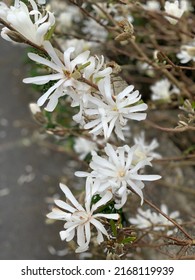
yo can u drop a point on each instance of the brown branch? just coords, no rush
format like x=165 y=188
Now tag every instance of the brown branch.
x=168 y=218
x=23 y=39
x=169 y=129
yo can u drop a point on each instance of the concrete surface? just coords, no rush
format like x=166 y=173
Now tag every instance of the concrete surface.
x=29 y=173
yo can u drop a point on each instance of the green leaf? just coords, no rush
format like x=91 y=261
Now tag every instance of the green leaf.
x=113 y=227
x=128 y=240
x=49 y=34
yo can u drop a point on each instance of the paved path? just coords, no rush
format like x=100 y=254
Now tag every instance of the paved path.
x=29 y=173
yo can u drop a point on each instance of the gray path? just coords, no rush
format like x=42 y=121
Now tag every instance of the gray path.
x=29 y=173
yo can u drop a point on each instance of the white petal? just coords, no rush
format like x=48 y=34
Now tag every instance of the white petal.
x=82 y=249
x=80 y=59
x=99 y=226
x=50 y=50
x=107 y=216
x=44 y=97
x=71 y=197
x=136 y=189
x=87 y=232
x=80 y=235
x=103 y=201
x=41 y=60
x=81 y=174
x=41 y=80
x=145 y=177
x=67 y=55
x=126 y=91
x=64 y=206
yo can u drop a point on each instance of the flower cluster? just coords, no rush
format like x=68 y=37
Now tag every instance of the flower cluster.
x=88 y=83
x=76 y=76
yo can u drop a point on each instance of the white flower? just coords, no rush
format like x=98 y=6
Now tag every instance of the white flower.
x=63 y=74
x=145 y=150
x=148 y=219
x=30 y=24
x=116 y=172
x=152 y=5
x=79 y=218
x=161 y=90
x=83 y=147
x=187 y=53
x=113 y=111
x=175 y=9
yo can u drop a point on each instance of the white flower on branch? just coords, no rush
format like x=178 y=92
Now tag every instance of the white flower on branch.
x=108 y=112
x=148 y=219
x=32 y=25
x=117 y=172
x=145 y=150
x=187 y=53
x=162 y=90
x=176 y=9
x=64 y=74
x=78 y=218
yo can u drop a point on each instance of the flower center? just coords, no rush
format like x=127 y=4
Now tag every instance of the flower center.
x=121 y=173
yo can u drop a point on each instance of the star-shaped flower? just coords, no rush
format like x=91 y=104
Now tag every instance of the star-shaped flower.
x=78 y=218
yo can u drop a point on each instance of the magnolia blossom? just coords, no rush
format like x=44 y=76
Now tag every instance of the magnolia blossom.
x=30 y=24
x=109 y=111
x=176 y=9
x=147 y=219
x=78 y=218
x=116 y=172
x=63 y=74
x=187 y=53
x=162 y=90
x=145 y=150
